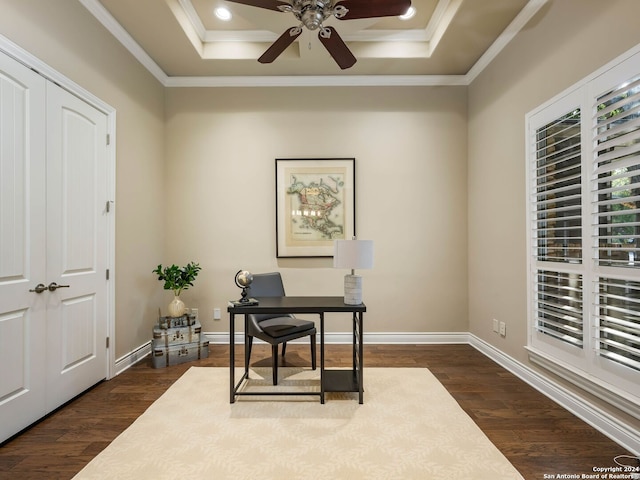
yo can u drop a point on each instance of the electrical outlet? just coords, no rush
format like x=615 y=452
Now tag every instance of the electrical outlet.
x=194 y=311
x=503 y=329
x=216 y=314
x=496 y=326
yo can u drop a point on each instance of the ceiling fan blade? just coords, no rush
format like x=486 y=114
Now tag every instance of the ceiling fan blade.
x=336 y=47
x=280 y=45
x=374 y=8
x=268 y=4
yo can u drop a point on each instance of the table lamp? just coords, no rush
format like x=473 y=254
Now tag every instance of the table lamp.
x=353 y=254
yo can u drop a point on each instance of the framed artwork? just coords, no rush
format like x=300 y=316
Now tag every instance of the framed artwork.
x=315 y=205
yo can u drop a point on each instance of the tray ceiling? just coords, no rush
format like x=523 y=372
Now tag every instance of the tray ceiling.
x=182 y=42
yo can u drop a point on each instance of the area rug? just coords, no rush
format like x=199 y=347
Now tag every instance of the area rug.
x=409 y=427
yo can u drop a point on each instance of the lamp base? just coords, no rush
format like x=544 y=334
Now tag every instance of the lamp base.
x=352 y=289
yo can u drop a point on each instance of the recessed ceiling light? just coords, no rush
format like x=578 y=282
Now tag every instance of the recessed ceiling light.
x=410 y=13
x=223 y=14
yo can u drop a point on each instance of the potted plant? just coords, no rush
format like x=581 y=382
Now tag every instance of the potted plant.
x=177 y=279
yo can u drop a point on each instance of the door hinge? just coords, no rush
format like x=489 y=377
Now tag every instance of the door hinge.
x=108 y=139
x=107 y=342
x=107 y=275
x=108 y=206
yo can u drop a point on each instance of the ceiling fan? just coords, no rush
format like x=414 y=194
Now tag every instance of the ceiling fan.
x=311 y=14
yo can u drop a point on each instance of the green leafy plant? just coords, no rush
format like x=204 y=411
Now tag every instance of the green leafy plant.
x=176 y=278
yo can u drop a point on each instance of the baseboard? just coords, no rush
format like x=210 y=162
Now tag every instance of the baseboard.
x=623 y=434
x=126 y=361
x=407 y=338
x=131 y=358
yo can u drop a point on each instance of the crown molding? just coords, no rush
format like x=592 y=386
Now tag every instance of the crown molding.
x=111 y=24
x=518 y=23
x=194 y=18
x=320 y=81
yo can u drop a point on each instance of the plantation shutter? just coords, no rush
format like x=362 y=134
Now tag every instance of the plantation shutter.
x=558 y=229
x=617 y=164
x=619 y=321
x=559 y=306
x=617 y=207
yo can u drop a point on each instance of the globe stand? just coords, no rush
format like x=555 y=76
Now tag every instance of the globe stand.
x=244 y=298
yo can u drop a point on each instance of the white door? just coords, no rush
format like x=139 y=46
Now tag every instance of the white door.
x=53 y=231
x=77 y=234
x=22 y=247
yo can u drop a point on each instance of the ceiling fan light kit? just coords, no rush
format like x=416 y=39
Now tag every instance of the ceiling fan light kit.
x=312 y=13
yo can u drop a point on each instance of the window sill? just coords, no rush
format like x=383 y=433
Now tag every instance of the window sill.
x=614 y=396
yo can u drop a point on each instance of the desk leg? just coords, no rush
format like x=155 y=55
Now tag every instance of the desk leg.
x=360 y=360
x=246 y=346
x=354 y=342
x=322 y=357
x=232 y=395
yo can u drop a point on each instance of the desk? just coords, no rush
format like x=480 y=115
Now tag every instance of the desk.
x=330 y=380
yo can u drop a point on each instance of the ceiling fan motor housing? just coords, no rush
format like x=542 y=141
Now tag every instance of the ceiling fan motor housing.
x=312 y=12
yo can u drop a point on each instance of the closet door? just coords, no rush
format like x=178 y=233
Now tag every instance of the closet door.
x=22 y=247
x=54 y=237
x=77 y=255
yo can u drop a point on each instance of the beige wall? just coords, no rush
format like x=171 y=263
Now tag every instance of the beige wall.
x=66 y=36
x=212 y=201
x=565 y=42
x=410 y=150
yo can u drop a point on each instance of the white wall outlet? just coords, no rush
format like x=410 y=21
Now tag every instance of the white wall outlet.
x=216 y=314
x=503 y=329
x=496 y=326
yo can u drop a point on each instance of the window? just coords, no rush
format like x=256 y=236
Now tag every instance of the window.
x=617 y=171
x=618 y=317
x=617 y=185
x=559 y=190
x=583 y=157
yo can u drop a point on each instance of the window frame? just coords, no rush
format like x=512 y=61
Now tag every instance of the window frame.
x=583 y=366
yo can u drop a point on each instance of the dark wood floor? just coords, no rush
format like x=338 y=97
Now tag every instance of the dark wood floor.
x=535 y=434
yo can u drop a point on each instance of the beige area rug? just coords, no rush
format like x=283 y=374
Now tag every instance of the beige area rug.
x=409 y=427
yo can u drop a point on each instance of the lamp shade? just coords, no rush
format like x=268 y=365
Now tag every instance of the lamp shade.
x=353 y=254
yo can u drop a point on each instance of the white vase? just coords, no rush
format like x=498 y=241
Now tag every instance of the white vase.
x=177 y=307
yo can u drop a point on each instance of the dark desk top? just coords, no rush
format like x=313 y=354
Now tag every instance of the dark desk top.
x=298 y=305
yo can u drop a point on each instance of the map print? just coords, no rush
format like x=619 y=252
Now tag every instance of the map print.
x=316 y=204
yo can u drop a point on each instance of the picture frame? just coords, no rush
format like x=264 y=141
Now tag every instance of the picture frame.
x=315 y=205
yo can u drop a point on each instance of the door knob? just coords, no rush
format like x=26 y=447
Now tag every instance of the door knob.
x=39 y=288
x=53 y=286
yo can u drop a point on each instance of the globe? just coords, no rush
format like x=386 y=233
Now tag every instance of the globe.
x=243 y=279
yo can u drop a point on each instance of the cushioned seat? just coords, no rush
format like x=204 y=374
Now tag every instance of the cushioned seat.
x=278 y=329
x=284 y=326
